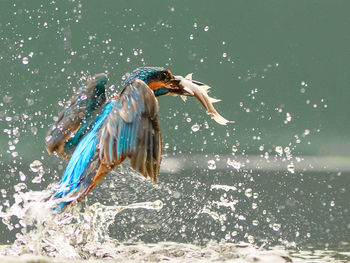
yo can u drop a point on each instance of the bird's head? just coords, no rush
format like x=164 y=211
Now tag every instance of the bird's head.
x=157 y=78
x=163 y=82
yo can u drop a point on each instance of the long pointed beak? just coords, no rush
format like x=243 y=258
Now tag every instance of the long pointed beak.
x=188 y=87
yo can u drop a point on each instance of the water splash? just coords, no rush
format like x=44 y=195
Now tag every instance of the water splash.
x=74 y=233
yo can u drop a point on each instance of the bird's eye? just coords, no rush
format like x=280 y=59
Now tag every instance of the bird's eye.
x=165 y=75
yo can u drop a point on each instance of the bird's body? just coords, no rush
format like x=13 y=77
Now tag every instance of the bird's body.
x=127 y=126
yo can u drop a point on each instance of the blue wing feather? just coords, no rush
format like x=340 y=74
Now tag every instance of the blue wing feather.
x=133 y=130
x=81 y=158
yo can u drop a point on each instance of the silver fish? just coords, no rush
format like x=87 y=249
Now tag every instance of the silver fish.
x=200 y=91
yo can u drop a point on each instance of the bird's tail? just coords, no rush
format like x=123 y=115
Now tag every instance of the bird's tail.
x=81 y=169
x=79 y=172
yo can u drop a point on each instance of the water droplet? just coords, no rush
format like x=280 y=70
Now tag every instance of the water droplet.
x=36 y=166
x=166 y=145
x=332 y=203
x=288 y=118
x=306 y=132
x=234 y=233
x=136 y=53
x=25 y=61
x=37 y=179
x=83 y=97
x=291 y=168
x=250 y=239
x=241 y=217
x=279 y=150
x=22 y=176
x=234 y=164
x=255 y=222
x=254 y=205
x=195 y=127
x=195 y=25
x=248 y=192
x=158 y=205
x=191 y=37
x=211 y=165
x=34 y=130
x=177 y=195
x=276 y=227
x=188 y=119
x=234 y=148
x=224 y=55
x=48 y=138
x=206 y=28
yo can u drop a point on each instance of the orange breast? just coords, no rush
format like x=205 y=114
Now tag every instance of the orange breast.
x=154 y=85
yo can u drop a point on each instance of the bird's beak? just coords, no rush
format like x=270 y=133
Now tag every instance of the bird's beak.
x=186 y=86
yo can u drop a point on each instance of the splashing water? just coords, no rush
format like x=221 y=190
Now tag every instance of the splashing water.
x=72 y=234
x=85 y=232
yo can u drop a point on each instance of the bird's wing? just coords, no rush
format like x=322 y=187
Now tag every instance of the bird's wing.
x=132 y=130
x=77 y=117
x=83 y=167
x=127 y=127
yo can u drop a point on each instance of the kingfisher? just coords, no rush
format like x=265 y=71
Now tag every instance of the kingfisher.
x=97 y=134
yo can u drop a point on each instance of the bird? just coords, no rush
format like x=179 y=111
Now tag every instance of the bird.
x=96 y=135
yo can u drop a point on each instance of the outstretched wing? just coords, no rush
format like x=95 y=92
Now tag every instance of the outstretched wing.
x=132 y=130
x=77 y=117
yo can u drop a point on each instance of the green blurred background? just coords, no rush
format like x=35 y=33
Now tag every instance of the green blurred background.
x=270 y=48
x=280 y=68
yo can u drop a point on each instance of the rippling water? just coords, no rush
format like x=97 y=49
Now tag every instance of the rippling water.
x=139 y=221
